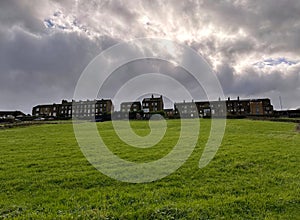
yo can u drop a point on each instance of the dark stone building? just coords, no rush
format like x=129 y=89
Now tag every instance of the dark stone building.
x=153 y=104
x=129 y=110
x=238 y=107
x=231 y=108
x=101 y=110
x=203 y=109
x=261 y=107
x=78 y=109
x=65 y=110
x=46 y=110
x=131 y=106
x=170 y=113
x=186 y=109
x=98 y=109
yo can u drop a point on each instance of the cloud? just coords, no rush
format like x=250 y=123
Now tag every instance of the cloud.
x=42 y=68
x=45 y=45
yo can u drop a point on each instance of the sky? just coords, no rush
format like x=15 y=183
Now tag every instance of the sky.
x=252 y=46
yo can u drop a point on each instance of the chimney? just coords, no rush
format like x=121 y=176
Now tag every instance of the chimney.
x=238 y=98
x=152 y=96
x=228 y=98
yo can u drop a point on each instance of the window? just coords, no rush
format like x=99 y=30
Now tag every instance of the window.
x=206 y=110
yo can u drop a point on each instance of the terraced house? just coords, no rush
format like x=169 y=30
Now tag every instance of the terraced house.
x=92 y=108
x=229 y=108
x=131 y=106
x=78 y=109
x=103 y=109
x=152 y=105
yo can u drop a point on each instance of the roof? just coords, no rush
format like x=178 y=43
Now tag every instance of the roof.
x=152 y=99
x=135 y=102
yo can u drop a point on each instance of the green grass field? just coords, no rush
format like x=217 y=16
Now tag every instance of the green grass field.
x=255 y=175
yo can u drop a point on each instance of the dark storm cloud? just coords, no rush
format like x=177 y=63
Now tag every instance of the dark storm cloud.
x=43 y=68
x=40 y=65
x=39 y=68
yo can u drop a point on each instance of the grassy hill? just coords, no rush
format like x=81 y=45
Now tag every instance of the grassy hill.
x=255 y=175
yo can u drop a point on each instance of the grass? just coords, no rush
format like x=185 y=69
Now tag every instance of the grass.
x=254 y=175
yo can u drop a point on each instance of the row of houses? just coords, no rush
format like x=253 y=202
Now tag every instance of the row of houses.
x=77 y=109
x=99 y=109
x=104 y=110
x=230 y=108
